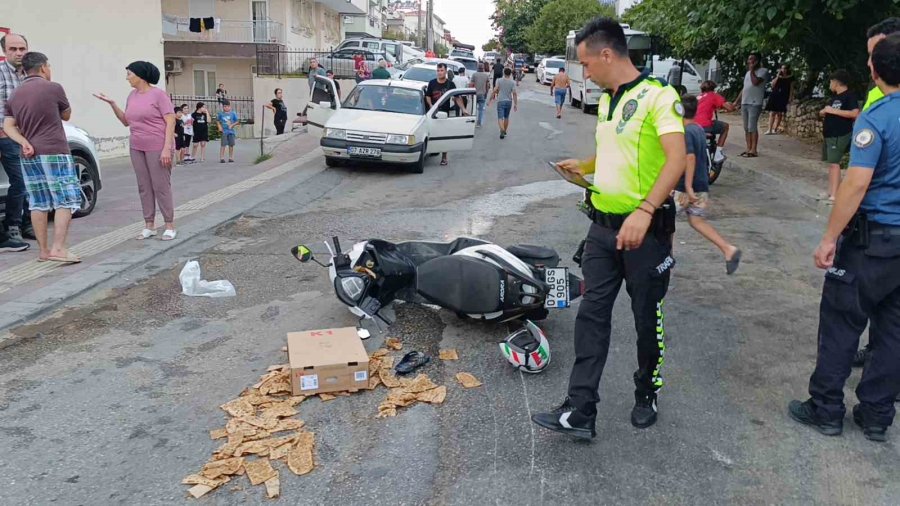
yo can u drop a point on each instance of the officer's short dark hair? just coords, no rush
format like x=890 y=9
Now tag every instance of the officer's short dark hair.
x=33 y=61
x=601 y=33
x=507 y=72
x=442 y=65
x=886 y=59
x=886 y=27
x=841 y=76
x=690 y=106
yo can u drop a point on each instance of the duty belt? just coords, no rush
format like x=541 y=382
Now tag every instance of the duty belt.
x=613 y=221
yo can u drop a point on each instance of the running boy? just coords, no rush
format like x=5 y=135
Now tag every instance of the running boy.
x=227 y=119
x=691 y=195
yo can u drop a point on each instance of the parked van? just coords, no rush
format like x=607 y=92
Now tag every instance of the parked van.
x=400 y=52
x=691 y=78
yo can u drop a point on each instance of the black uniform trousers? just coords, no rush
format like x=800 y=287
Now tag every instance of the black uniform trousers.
x=646 y=272
x=280 y=121
x=864 y=282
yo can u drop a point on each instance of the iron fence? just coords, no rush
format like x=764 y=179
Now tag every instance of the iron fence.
x=280 y=62
x=243 y=106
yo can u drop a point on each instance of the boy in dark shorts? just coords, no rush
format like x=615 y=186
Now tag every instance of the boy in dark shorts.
x=179 y=138
x=838 y=128
x=201 y=130
x=692 y=192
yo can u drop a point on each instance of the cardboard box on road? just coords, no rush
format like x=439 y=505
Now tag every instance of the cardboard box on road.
x=330 y=360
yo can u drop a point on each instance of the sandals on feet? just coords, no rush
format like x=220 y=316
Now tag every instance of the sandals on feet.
x=444 y=162
x=168 y=235
x=732 y=265
x=68 y=259
x=146 y=234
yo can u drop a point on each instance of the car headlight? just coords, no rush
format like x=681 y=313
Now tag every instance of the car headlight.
x=406 y=140
x=336 y=133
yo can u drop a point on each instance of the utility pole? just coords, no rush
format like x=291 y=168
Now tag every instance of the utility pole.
x=419 y=38
x=429 y=23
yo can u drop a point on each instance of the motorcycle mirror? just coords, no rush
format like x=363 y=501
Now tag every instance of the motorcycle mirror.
x=303 y=254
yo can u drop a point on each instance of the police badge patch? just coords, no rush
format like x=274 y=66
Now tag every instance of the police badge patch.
x=629 y=109
x=679 y=109
x=864 y=138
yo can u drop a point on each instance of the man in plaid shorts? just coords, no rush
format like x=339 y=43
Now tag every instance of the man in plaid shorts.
x=34 y=117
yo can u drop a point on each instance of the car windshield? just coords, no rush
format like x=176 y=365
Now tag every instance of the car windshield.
x=555 y=64
x=386 y=99
x=420 y=74
x=471 y=65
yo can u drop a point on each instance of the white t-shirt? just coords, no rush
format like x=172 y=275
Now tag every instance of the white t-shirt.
x=461 y=82
x=188 y=121
x=753 y=95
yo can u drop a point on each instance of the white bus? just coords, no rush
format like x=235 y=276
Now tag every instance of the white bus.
x=585 y=93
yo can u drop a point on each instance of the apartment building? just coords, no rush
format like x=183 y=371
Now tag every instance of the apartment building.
x=374 y=24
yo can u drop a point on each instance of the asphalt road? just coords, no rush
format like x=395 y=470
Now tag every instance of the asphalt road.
x=111 y=402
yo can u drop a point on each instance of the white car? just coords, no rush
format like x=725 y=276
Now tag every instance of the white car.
x=451 y=64
x=547 y=70
x=388 y=121
x=424 y=73
x=471 y=64
x=86 y=161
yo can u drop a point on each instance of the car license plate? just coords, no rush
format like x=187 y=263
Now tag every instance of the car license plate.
x=366 y=152
x=558 y=279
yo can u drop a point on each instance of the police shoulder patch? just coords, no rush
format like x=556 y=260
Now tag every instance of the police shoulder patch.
x=629 y=109
x=864 y=138
x=679 y=109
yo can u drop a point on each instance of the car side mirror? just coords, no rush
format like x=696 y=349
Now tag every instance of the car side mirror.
x=442 y=115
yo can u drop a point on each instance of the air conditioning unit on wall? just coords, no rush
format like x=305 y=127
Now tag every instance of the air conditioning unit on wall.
x=173 y=65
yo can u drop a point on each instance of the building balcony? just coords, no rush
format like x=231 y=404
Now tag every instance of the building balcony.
x=178 y=29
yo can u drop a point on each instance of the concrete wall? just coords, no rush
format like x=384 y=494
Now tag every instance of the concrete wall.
x=310 y=25
x=89 y=43
x=233 y=73
x=296 y=96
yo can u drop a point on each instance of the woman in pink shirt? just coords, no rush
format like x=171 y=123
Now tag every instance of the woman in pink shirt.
x=149 y=116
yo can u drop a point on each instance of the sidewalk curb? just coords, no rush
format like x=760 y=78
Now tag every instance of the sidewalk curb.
x=37 y=304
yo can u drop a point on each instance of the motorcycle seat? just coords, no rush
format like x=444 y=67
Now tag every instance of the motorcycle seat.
x=462 y=284
x=534 y=255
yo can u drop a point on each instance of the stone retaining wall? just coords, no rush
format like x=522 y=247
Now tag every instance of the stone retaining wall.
x=802 y=119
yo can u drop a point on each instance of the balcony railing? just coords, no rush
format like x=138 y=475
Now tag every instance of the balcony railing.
x=259 y=32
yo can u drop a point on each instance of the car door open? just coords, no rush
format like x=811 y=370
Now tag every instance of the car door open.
x=447 y=131
x=322 y=105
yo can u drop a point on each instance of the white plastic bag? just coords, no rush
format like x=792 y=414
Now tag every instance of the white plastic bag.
x=192 y=285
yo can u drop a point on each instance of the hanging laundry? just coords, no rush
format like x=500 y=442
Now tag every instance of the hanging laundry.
x=209 y=23
x=194 y=25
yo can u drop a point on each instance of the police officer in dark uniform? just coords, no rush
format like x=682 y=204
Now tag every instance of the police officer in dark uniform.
x=640 y=157
x=861 y=252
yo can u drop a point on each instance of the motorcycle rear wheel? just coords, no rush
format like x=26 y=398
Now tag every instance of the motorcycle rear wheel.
x=714 y=170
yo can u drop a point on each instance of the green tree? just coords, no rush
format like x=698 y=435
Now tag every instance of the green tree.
x=814 y=35
x=492 y=45
x=512 y=18
x=548 y=33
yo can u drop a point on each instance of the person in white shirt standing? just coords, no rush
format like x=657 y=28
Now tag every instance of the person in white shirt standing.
x=750 y=101
x=461 y=82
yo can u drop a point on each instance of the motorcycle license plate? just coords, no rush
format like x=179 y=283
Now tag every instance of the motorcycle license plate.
x=558 y=279
x=364 y=152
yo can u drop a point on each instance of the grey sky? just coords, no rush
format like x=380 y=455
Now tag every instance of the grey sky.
x=468 y=20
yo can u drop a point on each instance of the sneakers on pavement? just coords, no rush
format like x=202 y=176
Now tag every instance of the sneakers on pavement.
x=15 y=234
x=877 y=433
x=566 y=419
x=11 y=245
x=805 y=413
x=644 y=413
x=28 y=233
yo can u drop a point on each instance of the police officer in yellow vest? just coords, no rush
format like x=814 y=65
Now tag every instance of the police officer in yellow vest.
x=640 y=157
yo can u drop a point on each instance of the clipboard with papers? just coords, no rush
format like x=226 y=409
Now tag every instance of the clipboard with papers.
x=576 y=179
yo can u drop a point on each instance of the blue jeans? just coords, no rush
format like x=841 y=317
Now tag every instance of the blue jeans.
x=16 y=204
x=503 y=109
x=479 y=104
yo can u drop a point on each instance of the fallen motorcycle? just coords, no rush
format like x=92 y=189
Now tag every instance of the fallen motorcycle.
x=476 y=279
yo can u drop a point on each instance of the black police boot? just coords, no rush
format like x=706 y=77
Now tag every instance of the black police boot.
x=872 y=432
x=644 y=413
x=568 y=420
x=805 y=413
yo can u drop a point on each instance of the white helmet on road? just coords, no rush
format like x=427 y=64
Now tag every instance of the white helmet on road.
x=527 y=349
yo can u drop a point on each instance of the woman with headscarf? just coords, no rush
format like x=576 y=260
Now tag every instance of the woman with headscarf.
x=149 y=116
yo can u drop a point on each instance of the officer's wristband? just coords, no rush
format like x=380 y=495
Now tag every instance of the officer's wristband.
x=646 y=211
x=651 y=204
